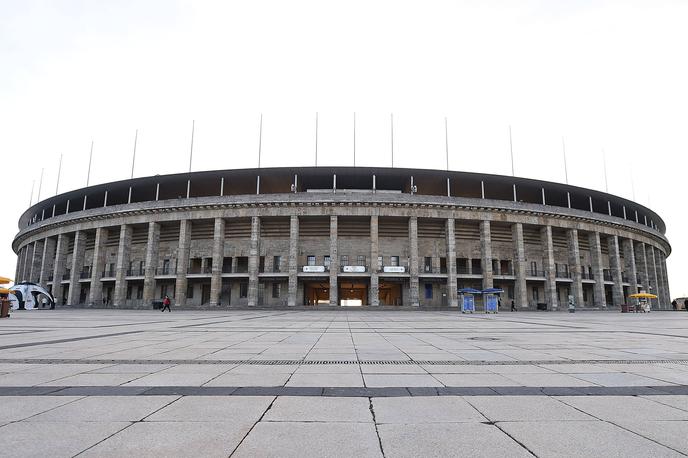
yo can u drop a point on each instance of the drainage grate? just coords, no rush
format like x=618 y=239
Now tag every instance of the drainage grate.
x=296 y=362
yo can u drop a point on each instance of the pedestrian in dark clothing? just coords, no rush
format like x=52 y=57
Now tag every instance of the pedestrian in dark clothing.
x=674 y=305
x=166 y=304
x=513 y=305
x=685 y=305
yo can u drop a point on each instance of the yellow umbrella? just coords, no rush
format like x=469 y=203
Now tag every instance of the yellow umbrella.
x=643 y=296
x=4 y=290
x=4 y=280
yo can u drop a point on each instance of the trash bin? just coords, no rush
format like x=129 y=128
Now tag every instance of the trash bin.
x=157 y=304
x=4 y=308
x=542 y=306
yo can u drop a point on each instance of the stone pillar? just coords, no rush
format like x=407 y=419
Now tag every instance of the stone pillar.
x=652 y=274
x=27 y=260
x=59 y=266
x=334 y=262
x=596 y=256
x=122 y=265
x=551 y=295
x=152 y=247
x=575 y=267
x=629 y=261
x=486 y=253
x=452 y=296
x=18 y=269
x=520 y=289
x=666 y=279
x=615 y=267
x=413 y=261
x=182 y=262
x=218 y=256
x=35 y=269
x=641 y=266
x=48 y=253
x=98 y=265
x=374 y=291
x=293 y=260
x=253 y=258
x=661 y=288
x=77 y=266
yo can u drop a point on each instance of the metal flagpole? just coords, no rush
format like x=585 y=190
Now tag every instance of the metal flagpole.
x=604 y=162
x=33 y=183
x=90 y=158
x=354 y=139
x=40 y=185
x=59 y=172
x=133 y=158
x=316 y=138
x=391 y=123
x=511 y=150
x=566 y=172
x=193 y=128
x=446 y=141
x=260 y=138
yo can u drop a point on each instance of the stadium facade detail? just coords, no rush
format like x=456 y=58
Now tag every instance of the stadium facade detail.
x=334 y=236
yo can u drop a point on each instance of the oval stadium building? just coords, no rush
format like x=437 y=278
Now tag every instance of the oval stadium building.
x=341 y=236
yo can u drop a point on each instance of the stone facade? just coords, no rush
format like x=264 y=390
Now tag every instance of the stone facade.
x=341 y=247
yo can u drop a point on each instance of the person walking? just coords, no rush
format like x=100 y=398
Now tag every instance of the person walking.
x=513 y=305
x=674 y=305
x=166 y=304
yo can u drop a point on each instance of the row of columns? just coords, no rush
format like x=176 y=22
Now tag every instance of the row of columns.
x=643 y=263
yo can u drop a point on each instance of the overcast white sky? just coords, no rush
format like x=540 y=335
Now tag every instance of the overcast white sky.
x=606 y=75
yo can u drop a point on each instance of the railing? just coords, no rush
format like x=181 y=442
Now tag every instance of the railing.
x=624 y=278
x=462 y=270
x=536 y=273
x=562 y=274
x=227 y=269
x=607 y=276
x=108 y=273
x=85 y=274
x=506 y=272
x=136 y=272
x=50 y=277
x=587 y=276
x=165 y=271
x=66 y=275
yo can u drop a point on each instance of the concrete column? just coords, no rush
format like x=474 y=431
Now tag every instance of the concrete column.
x=652 y=274
x=452 y=296
x=122 y=264
x=661 y=288
x=413 y=261
x=48 y=253
x=374 y=291
x=253 y=258
x=218 y=256
x=615 y=267
x=551 y=295
x=77 y=265
x=35 y=268
x=98 y=265
x=334 y=262
x=152 y=247
x=182 y=262
x=629 y=261
x=666 y=279
x=520 y=290
x=575 y=266
x=293 y=260
x=18 y=269
x=596 y=256
x=486 y=253
x=59 y=266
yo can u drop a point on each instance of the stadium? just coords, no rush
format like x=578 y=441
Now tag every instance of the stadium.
x=326 y=237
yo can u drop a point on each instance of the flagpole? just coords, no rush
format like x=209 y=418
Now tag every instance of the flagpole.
x=133 y=158
x=33 y=183
x=260 y=138
x=40 y=185
x=90 y=158
x=354 y=139
x=446 y=141
x=511 y=151
x=59 y=172
x=193 y=128
x=566 y=172
x=391 y=124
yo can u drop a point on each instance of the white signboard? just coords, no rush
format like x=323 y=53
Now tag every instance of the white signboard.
x=394 y=269
x=314 y=268
x=353 y=269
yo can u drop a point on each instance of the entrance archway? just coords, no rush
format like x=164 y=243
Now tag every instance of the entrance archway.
x=316 y=293
x=390 y=293
x=353 y=293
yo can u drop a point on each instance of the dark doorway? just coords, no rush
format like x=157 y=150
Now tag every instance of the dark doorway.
x=390 y=293
x=316 y=293
x=353 y=293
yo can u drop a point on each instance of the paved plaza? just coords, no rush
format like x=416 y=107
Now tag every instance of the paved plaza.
x=343 y=383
